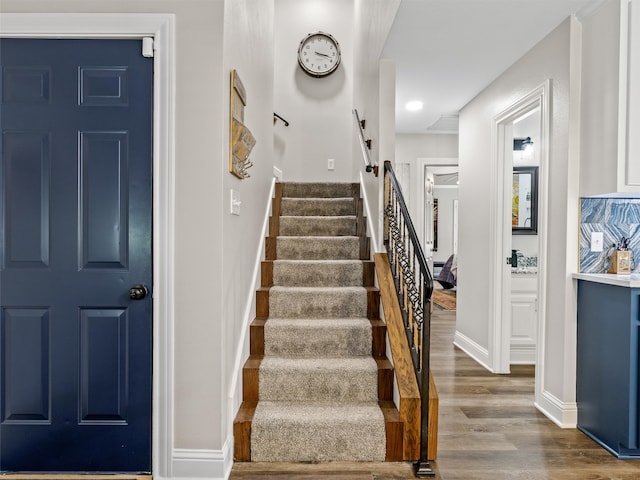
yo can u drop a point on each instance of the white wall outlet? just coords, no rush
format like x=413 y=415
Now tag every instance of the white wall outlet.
x=597 y=241
x=330 y=164
x=235 y=202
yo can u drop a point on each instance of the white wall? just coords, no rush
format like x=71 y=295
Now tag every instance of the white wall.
x=318 y=109
x=248 y=48
x=411 y=147
x=374 y=98
x=553 y=58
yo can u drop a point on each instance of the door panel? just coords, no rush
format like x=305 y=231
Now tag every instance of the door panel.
x=75 y=206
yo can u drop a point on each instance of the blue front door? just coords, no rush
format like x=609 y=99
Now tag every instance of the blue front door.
x=75 y=231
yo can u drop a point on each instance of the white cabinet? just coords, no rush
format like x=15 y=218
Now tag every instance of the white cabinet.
x=524 y=318
x=628 y=168
x=610 y=99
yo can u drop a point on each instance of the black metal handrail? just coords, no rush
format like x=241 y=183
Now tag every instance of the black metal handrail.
x=414 y=286
x=365 y=145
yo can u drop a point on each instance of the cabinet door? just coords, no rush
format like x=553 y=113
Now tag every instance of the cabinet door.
x=524 y=328
x=629 y=120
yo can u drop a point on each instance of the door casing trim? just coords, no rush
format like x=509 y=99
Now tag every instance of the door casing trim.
x=500 y=330
x=161 y=27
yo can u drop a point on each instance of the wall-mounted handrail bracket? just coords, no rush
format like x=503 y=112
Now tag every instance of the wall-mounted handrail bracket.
x=365 y=145
x=277 y=117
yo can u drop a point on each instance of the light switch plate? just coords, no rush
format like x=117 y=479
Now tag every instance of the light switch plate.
x=597 y=241
x=330 y=164
x=235 y=202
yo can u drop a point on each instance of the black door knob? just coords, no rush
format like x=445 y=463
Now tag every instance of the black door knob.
x=138 y=292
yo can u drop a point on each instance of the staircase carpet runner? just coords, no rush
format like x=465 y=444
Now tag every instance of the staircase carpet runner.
x=318 y=380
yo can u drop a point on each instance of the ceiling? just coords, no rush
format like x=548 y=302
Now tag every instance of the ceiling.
x=448 y=51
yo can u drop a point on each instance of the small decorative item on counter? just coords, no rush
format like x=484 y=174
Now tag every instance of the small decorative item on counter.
x=620 y=261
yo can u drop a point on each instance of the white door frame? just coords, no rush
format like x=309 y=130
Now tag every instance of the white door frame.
x=160 y=27
x=418 y=203
x=499 y=305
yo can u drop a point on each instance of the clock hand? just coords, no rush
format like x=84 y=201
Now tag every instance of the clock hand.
x=322 y=54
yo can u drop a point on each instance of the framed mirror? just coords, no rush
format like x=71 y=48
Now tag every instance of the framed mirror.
x=524 y=201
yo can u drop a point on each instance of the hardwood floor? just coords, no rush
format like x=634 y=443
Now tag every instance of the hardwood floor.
x=489 y=429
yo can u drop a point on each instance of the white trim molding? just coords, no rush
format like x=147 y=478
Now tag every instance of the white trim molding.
x=563 y=414
x=202 y=464
x=473 y=349
x=499 y=311
x=161 y=27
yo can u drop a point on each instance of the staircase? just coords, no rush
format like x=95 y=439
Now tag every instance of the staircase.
x=317 y=385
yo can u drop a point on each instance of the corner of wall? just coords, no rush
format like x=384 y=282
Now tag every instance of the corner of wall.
x=200 y=463
x=563 y=414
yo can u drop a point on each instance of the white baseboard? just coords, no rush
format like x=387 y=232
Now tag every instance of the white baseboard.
x=522 y=355
x=563 y=414
x=192 y=464
x=473 y=349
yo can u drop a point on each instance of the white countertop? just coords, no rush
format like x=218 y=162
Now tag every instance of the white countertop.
x=630 y=280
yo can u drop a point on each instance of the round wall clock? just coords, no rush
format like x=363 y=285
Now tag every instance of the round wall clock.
x=319 y=54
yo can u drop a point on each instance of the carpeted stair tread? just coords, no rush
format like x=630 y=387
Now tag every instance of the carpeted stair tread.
x=293 y=432
x=350 y=379
x=318 y=190
x=318 y=225
x=317 y=273
x=317 y=337
x=314 y=375
x=318 y=248
x=317 y=206
x=319 y=302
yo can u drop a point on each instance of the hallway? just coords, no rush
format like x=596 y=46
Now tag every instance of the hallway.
x=489 y=430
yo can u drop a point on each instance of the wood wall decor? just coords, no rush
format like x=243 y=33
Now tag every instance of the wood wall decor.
x=241 y=140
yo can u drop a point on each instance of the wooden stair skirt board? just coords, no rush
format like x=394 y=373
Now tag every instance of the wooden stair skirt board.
x=298 y=200
x=408 y=389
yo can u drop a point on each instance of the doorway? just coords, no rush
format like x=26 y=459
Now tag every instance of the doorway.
x=505 y=126
x=161 y=28
x=436 y=207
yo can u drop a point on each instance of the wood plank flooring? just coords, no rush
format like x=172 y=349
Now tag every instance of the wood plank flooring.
x=489 y=430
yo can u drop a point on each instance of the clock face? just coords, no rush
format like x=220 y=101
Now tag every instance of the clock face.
x=319 y=54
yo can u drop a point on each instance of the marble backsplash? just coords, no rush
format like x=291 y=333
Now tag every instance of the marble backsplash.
x=524 y=264
x=616 y=218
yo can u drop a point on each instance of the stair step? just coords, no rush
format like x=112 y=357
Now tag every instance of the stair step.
x=317 y=206
x=318 y=302
x=319 y=190
x=318 y=225
x=318 y=273
x=318 y=248
x=332 y=337
x=293 y=432
x=317 y=386
x=353 y=379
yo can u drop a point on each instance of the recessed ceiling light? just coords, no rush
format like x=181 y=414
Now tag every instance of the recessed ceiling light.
x=414 y=105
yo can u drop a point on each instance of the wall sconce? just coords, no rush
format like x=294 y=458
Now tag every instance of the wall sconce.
x=523 y=144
